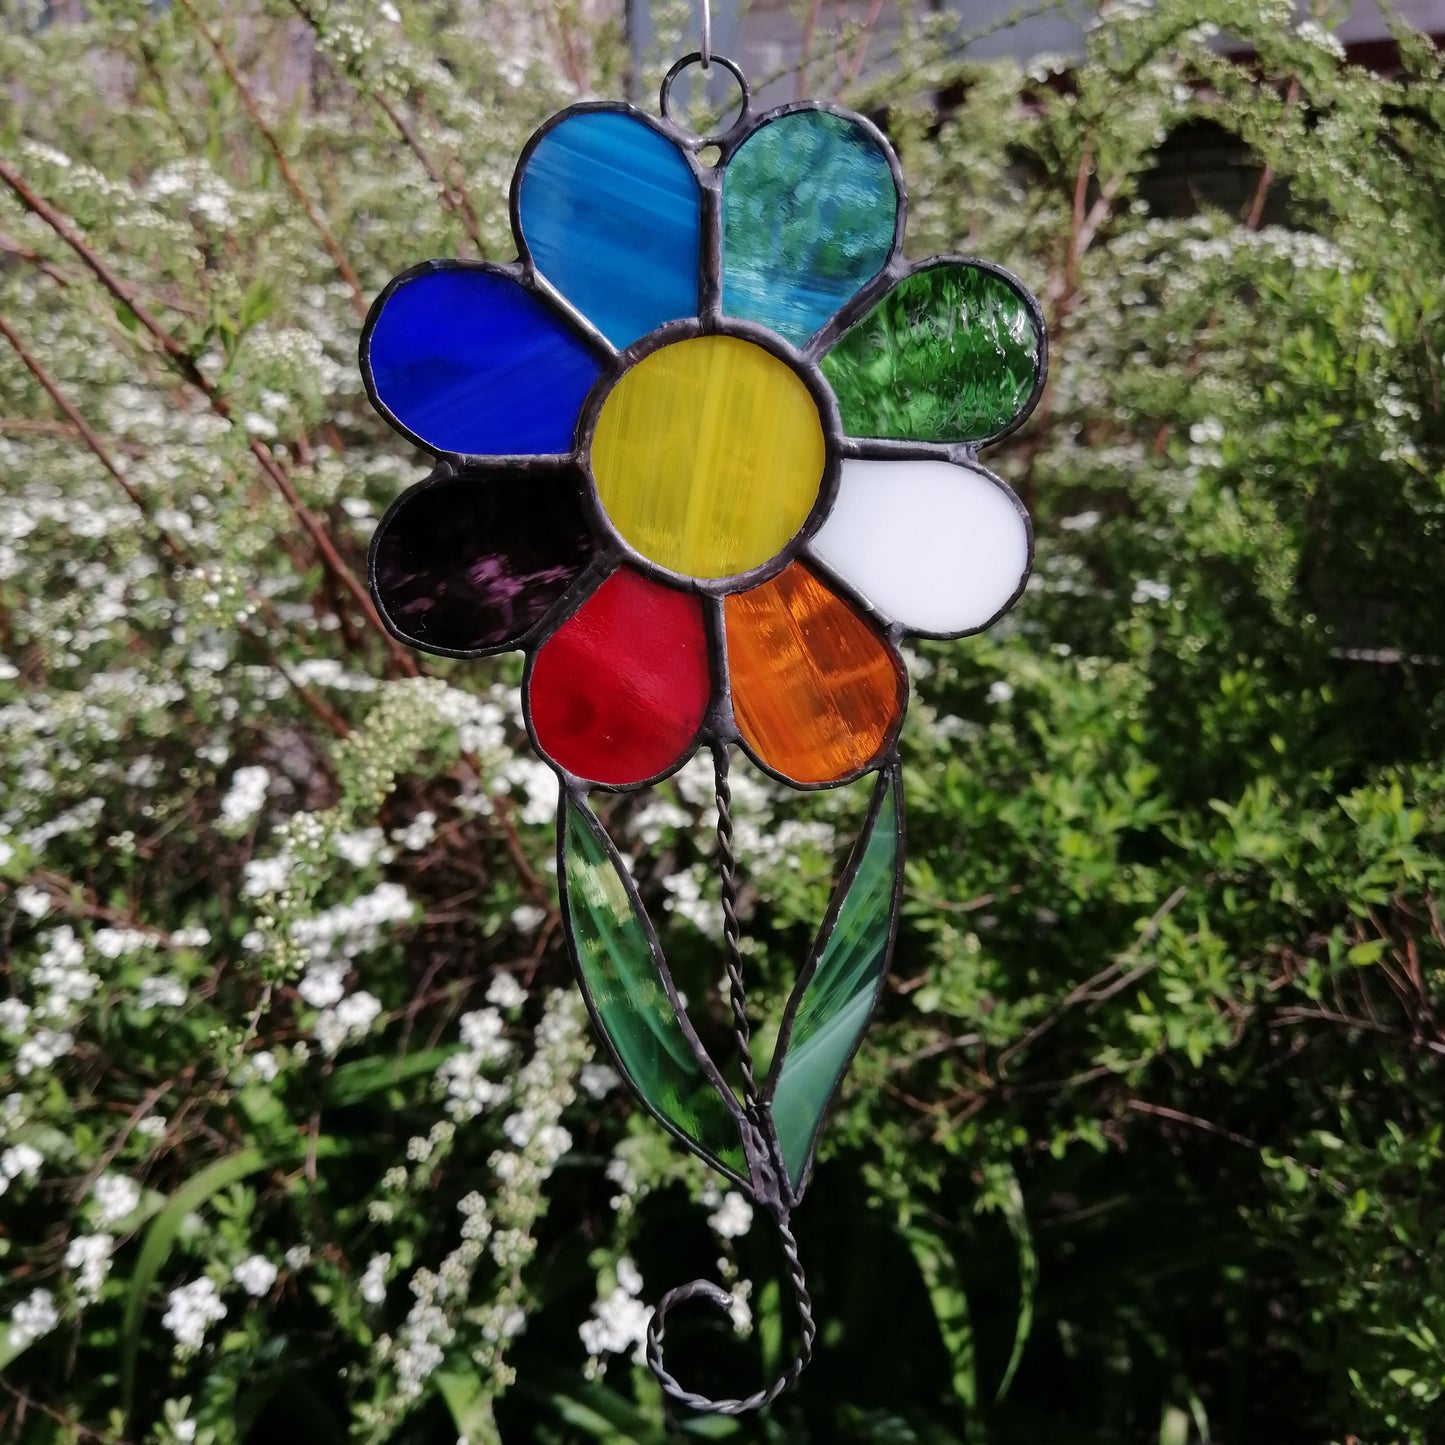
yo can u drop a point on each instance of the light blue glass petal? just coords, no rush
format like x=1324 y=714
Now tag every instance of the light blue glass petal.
x=810 y=208
x=468 y=360
x=840 y=995
x=611 y=213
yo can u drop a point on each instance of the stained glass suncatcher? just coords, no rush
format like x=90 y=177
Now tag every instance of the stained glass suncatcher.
x=706 y=453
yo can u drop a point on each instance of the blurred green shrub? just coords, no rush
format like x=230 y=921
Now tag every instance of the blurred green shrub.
x=300 y=1131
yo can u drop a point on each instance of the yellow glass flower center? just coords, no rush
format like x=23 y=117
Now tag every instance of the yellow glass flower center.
x=708 y=455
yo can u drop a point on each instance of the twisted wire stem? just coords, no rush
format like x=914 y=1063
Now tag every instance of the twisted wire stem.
x=732 y=929
x=702 y=1289
x=717 y=1296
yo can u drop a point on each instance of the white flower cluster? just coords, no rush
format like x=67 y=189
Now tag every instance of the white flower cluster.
x=733 y=1217
x=116 y=1198
x=373 y=1279
x=89 y=1256
x=32 y=1318
x=247 y=792
x=20 y=1161
x=619 y=1319
x=190 y=1311
x=61 y=972
x=351 y=1019
x=355 y=927
x=255 y=1275
x=469 y=1091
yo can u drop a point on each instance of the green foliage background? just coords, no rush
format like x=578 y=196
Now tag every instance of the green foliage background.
x=1145 y=1141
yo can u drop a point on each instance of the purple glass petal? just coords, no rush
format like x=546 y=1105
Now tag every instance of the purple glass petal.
x=469 y=563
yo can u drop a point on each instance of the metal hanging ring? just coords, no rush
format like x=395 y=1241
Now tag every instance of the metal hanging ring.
x=696 y=58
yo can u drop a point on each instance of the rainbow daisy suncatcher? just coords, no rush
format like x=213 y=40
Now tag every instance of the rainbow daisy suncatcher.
x=707 y=451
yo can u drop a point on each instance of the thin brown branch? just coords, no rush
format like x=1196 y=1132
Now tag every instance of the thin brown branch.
x=186 y=363
x=91 y=439
x=454 y=198
x=248 y=100
x=1101 y=984
x=855 y=67
x=177 y=553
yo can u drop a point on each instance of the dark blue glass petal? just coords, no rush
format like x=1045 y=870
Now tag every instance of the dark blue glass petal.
x=810 y=209
x=467 y=360
x=611 y=213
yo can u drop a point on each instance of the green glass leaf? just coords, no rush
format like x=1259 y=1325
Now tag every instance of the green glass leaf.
x=809 y=209
x=621 y=971
x=951 y=354
x=839 y=997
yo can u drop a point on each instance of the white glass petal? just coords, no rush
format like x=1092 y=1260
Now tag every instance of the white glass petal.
x=936 y=547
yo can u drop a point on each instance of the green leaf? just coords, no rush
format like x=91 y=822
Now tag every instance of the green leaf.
x=832 y=1003
x=950 y=1310
x=628 y=989
x=469 y=1404
x=157 y=1245
x=360 y=1079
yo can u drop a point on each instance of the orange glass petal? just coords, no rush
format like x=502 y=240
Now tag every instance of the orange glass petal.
x=817 y=694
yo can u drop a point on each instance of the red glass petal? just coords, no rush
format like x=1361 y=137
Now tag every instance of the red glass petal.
x=618 y=692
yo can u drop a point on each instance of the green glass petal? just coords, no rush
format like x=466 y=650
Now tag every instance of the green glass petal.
x=809 y=208
x=840 y=995
x=620 y=971
x=950 y=354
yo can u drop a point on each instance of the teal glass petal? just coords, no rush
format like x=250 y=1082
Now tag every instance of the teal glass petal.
x=810 y=209
x=621 y=974
x=839 y=997
x=612 y=215
x=952 y=353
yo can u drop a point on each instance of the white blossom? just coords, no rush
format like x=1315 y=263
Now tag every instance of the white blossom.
x=351 y=1018
x=32 y=1318
x=120 y=942
x=418 y=833
x=21 y=1161
x=14 y=1015
x=619 y=1319
x=191 y=1310
x=89 y=1255
x=32 y=901
x=41 y=1050
x=247 y=792
x=161 y=990
x=255 y=1275
x=263 y=1064
x=506 y=993
x=373 y=1279
x=528 y=918
x=598 y=1080
x=116 y=1197
x=324 y=983
x=733 y=1218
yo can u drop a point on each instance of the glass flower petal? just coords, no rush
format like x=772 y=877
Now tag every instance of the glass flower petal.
x=939 y=548
x=810 y=209
x=469 y=563
x=954 y=352
x=817 y=693
x=465 y=359
x=626 y=985
x=829 y=1010
x=612 y=215
x=617 y=694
